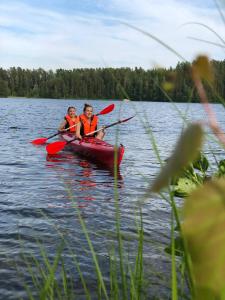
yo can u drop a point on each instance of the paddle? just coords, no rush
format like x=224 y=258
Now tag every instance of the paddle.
x=42 y=140
x=57 y=146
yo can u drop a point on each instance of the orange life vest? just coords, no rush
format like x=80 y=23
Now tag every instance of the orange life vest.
x=71 y=122
x=87 y=127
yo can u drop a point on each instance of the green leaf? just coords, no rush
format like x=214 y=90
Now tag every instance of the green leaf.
x=186 y=151
x=179 y=248
x=221 y=167
x=201 y=163
x=203 y=229
x=184 y=187
x=185 y=173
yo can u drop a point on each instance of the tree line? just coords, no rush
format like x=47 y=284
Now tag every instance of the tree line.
x=110 y=83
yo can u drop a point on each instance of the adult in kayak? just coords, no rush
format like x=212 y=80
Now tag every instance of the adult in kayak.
x=70 y=121
x=88 y=123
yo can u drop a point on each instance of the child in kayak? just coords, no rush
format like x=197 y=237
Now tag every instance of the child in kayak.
x=70 y=121
x=88 y=123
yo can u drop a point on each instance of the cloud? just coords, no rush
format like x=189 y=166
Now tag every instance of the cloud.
x=95 y=36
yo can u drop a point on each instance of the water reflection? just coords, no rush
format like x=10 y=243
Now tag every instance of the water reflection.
x=83 y=179
x=86 y=173
x=59 y=157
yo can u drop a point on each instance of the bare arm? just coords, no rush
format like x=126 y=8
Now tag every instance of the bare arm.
x=78 y=135
x=62 y=125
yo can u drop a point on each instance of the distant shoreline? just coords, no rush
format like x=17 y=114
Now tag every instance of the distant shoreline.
x=159 y=84
x=106 y=100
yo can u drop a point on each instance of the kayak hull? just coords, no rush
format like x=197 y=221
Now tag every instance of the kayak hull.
x=96 y=150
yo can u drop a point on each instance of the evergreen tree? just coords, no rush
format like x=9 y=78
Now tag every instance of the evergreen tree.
x=110 y=83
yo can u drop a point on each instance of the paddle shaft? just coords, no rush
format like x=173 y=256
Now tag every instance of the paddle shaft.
x=104 y=111
x=62 y=131
x=58 y=146
x=67 y=129
x=102 y=128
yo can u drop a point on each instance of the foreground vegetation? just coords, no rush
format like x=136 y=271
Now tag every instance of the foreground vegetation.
x=197 y=239
x=106 y=83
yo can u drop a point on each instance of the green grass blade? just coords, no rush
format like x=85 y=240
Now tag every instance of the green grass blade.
x=207 y=27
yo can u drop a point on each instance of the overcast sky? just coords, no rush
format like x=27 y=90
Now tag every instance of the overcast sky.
x=69 y=34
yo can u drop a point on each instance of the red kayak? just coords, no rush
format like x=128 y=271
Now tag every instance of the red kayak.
x=95 y=150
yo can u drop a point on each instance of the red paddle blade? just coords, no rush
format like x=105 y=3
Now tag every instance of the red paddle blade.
x=39 y=141
x=55 y=147
x=107 y=110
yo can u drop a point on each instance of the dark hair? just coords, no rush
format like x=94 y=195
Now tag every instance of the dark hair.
x=86 y=105
x=69 y=108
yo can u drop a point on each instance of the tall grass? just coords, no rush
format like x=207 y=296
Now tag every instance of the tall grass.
x=51 y=279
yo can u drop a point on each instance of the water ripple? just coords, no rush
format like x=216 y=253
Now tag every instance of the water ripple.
x=41 y=195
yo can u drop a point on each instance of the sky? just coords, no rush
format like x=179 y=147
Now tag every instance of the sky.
x=68 y=34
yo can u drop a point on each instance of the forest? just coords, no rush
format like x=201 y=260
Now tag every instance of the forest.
x=159 y=84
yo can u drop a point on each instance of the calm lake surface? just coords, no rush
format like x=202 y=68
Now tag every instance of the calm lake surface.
x=38 y=192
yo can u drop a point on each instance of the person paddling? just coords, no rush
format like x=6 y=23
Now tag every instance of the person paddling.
x=88 y=123
x=70 y=121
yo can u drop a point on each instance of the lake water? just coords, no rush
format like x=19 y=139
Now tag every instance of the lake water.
x=38 y=192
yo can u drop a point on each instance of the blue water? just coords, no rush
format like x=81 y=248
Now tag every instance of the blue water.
x=39 y=192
